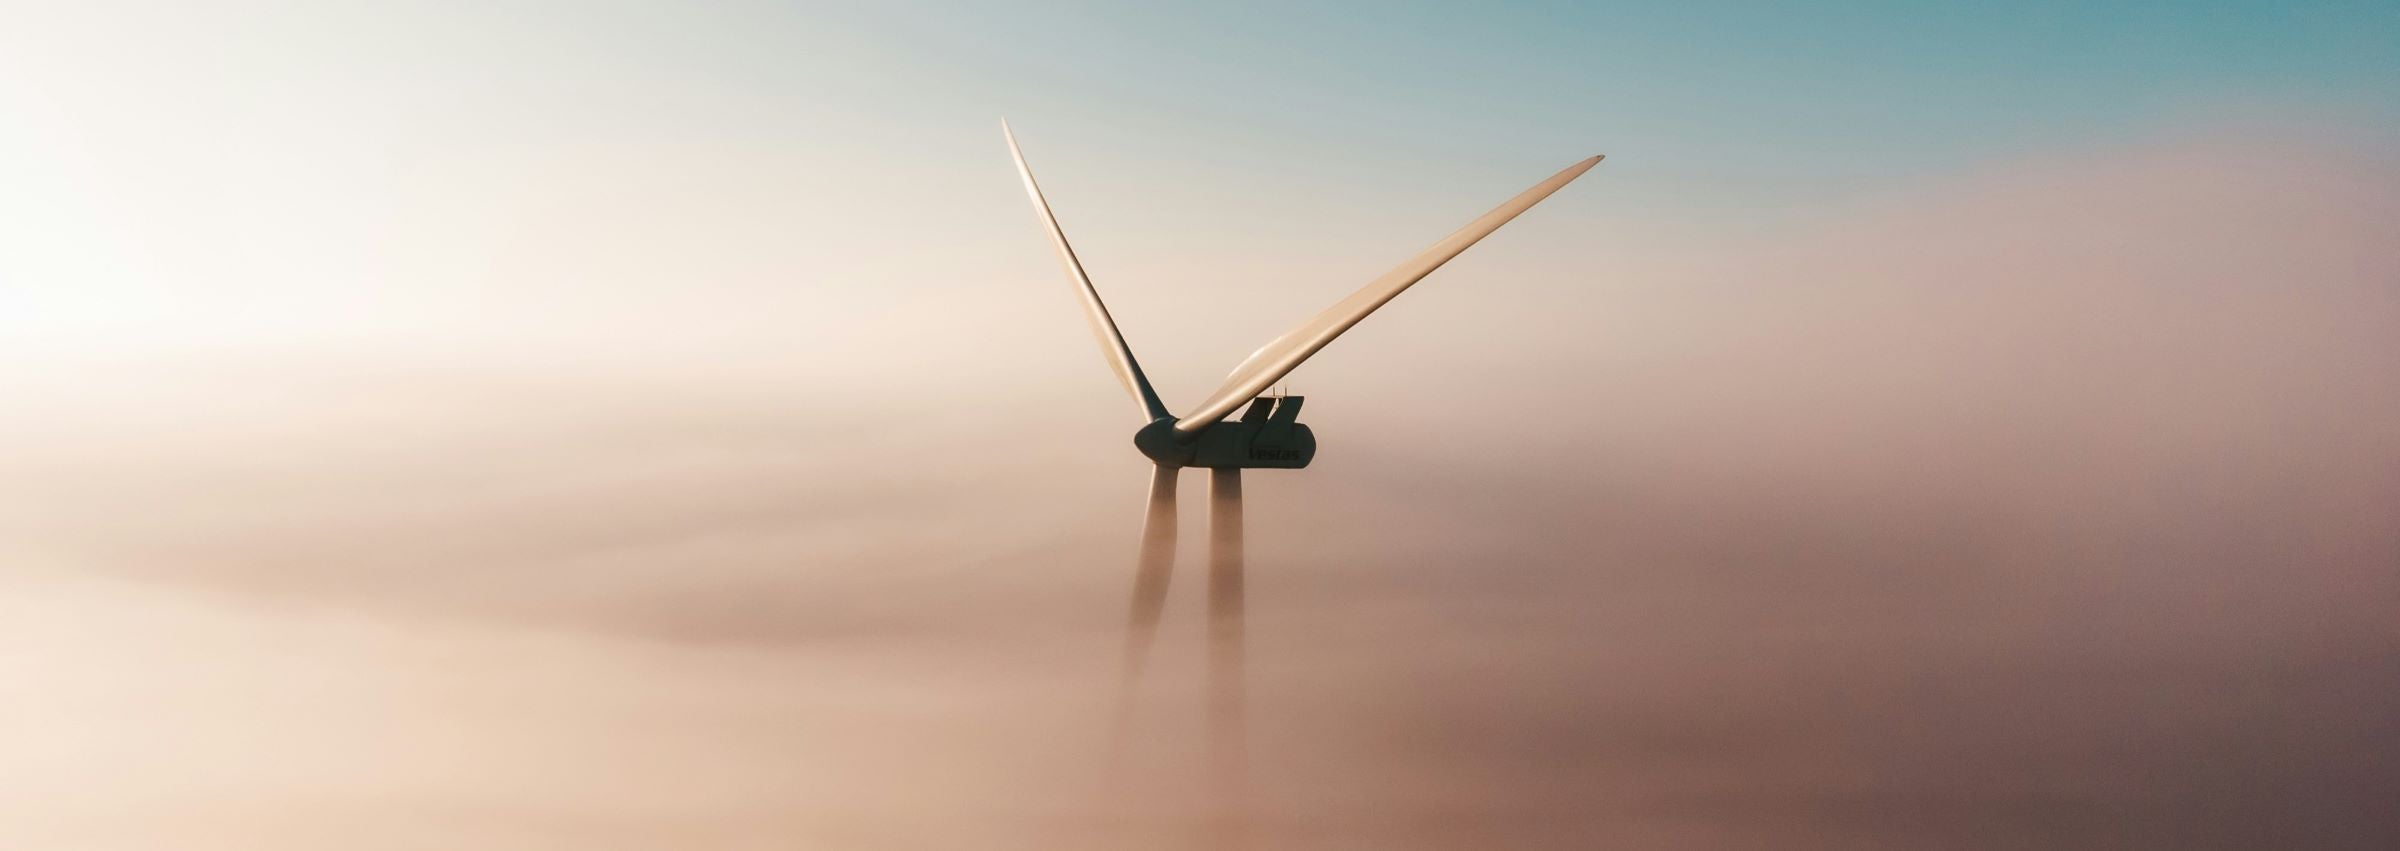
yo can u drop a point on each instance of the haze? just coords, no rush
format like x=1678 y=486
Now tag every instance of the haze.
x=537 y=426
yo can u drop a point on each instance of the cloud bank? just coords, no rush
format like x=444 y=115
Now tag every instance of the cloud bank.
x=2047 y=507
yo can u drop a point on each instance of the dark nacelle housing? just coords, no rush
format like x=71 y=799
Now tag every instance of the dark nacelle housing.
x=1268 y=435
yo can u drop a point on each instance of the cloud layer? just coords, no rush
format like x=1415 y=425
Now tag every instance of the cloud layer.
x=2049 y=507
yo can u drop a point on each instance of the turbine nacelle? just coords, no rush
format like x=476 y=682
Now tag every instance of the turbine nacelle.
x=1269 y=435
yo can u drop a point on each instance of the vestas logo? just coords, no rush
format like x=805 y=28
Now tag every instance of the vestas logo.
x=1257 y=454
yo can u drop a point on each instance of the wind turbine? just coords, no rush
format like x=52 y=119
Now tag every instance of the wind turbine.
x=1268 y=435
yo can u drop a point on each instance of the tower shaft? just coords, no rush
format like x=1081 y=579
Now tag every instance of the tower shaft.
x=1226 y=752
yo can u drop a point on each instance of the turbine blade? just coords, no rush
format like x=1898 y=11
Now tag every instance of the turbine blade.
x=1151 y=571
x=1279 y=357
x=1104 y=327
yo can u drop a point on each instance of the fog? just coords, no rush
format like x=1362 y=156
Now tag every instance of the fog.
x=2049 y=505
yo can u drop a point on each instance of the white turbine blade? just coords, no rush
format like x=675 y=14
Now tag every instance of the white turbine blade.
x=1152 y=567
x=1279 y=357
x=1112 y=343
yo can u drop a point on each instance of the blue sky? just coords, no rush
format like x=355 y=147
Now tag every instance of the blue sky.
x=1754 y=102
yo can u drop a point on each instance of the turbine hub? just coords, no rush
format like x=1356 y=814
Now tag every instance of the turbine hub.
x=1159 y=443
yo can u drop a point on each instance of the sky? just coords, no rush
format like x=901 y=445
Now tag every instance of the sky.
x=524 y=425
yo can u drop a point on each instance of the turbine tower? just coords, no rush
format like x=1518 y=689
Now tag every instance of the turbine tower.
x=1268 y=435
